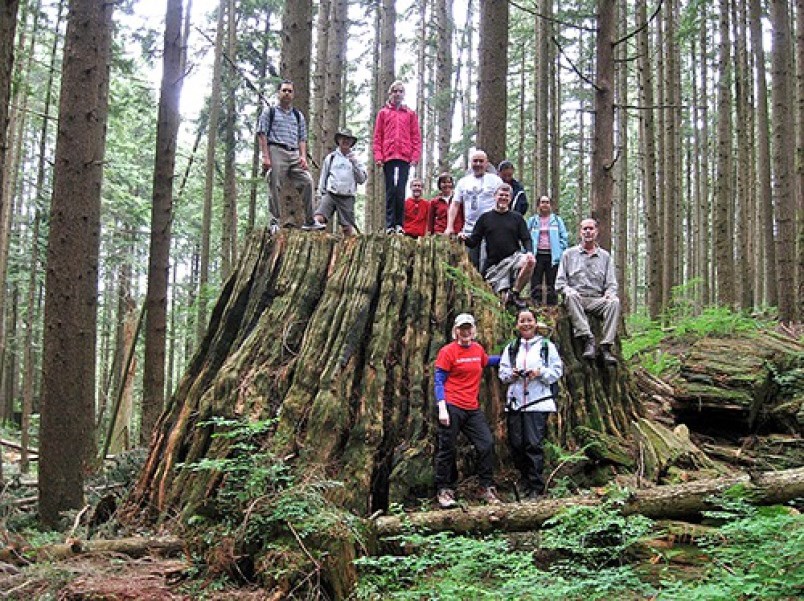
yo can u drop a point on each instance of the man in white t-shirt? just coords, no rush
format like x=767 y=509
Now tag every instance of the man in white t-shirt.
x=475 y=192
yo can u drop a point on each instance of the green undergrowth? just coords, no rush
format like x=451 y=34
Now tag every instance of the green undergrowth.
x=590 y=553
x=649 y=340
x=267 y=523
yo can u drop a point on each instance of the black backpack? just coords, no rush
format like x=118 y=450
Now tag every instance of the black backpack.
x=513 y=350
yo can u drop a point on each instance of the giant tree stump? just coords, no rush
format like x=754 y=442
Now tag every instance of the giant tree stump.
x=337 y=340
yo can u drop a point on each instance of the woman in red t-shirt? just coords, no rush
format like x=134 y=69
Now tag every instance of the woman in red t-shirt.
x=459 y=369
x=439 y=206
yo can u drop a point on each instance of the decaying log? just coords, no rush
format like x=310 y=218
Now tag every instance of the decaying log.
x=662 y=502
x=659 y=449
x=757 y=377
x=162 y=546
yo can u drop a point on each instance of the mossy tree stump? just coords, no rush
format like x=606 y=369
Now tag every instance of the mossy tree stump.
x=336 y=340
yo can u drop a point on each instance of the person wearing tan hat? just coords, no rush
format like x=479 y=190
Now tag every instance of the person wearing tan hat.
x=530 y=366
x=341 y=172
x=458 y=371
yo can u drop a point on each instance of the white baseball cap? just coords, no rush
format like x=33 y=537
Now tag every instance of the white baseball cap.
x=463 y=319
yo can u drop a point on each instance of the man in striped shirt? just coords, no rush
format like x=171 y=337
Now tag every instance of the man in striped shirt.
x=282 y=135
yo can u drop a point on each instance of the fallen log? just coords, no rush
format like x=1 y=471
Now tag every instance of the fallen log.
x=756 y=378
x=135 y=547
x=663 y=502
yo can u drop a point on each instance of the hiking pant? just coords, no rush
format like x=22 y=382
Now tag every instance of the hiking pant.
x=472 y=422
x=607 y=308
x=526 y=431
x=396 y=180
x=286 y=170
x=544 y=270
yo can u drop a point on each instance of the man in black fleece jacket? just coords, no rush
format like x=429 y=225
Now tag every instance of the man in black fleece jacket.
x=509 y=248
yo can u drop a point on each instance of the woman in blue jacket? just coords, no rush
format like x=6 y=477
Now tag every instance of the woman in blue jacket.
x=550 y=240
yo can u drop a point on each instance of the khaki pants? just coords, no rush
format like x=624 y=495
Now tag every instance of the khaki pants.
x=607 y=308
x=286 y=171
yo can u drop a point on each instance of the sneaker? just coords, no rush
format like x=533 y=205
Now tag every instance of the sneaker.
x=315 y=226
x=274 y=229
x=400 y=231
x=589 y=350
x=608 y=358
x=446 y=498
x=489 y=495
x=390 y=230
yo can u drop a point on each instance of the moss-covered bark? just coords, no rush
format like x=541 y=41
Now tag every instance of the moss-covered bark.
x=335 y=341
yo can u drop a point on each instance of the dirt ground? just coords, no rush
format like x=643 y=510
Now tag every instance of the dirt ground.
x=114 y=578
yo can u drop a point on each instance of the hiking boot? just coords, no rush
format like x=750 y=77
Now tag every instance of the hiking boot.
x=531 y=495
x=512 y=299
x=589 y=350
x=608 y=358
x=489 y=495
x=446 y=498
x=315 y=226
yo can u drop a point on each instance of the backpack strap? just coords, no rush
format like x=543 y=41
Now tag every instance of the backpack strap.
x=272 y=112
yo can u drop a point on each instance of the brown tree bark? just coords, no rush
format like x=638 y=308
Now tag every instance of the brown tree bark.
x=653 y=267
x=209 y=175
x=724 y=205
x=161 y=218
x=229 y=212
x=8 y=28
x=492 y=86
x=333 y=73
x=297 y=48
x=784 y=184
x=442 y=101
x=603 y=145
x=329 y=338
x=68 y=384
x=320 y=145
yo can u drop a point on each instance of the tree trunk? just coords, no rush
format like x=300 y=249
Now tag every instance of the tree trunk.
x=68 y=384
x=297 y=47
x=320 y=144
x=724 y=234
x=229 y=213
x=442 y=101
x=766 y=243
x=603 y=149
x=8 y=28
x=492 y=85
x=209 y=176
x=653 y=267
x=333 y=73
x=686 y=500
x=784 y=186
x=161 y=218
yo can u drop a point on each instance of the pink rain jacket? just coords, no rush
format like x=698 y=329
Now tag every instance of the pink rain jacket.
x=397 y=135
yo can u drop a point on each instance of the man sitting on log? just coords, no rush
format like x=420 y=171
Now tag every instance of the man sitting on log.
x=506 y=235
x=587 y=279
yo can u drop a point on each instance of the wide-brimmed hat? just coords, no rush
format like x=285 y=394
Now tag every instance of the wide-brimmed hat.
x=463 y=319
x=345 y=133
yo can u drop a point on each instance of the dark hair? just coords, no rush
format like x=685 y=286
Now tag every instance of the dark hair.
x=283 y=82
x=506 y=164
x=444 y=176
